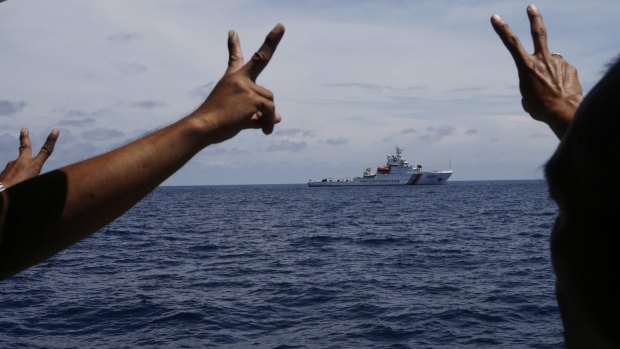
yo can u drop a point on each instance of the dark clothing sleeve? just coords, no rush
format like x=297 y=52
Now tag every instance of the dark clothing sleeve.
x=31 y=213
x=2 y=214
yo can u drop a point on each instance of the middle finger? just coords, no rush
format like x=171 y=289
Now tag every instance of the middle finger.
x=24 y=143
x=539 y=32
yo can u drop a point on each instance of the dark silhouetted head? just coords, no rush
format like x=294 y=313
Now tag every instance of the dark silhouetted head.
x=584 y=180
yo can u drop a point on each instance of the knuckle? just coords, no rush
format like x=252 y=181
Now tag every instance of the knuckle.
x=234 y=58
x=260 y=56
x=269 y=95
x=239 y=85
x=529 y=64
x=539 y=31
x=46 y=149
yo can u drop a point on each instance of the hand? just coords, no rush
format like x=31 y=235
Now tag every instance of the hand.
x=26 y=166
x=549 y=85
x=237 y=102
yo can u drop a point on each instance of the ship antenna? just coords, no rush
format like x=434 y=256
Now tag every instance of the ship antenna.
x=450 y=163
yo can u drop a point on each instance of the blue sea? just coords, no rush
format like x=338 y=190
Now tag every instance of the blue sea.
x=465 y=265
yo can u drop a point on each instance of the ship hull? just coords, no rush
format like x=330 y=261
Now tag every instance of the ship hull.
x=420 y=178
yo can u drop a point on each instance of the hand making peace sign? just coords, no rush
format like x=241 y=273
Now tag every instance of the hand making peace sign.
x=26 y=166
x=237 y=102
x=549 y=85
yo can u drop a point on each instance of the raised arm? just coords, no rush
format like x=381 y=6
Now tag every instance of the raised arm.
x=549 y=85
x=67 y=205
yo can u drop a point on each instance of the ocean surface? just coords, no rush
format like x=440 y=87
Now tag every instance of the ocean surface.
x=465 y=265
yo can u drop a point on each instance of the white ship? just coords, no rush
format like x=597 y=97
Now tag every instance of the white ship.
x=396 y=171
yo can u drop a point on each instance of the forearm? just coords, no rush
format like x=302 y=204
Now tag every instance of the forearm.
x=102 y=188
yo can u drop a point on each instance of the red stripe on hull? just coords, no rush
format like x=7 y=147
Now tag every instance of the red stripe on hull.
x=415 y=179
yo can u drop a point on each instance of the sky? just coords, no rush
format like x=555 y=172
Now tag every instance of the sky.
x=352 y=79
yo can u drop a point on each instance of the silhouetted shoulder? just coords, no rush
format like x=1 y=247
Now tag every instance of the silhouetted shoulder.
x=2 y=215
x=583 y=179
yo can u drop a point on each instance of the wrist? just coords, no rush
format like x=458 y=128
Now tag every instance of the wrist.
x=215 y=124
x=563 y=112
x=560 y=117
x=204 y=128
x=196 y=129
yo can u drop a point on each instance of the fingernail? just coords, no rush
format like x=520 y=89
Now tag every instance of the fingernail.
x=24 y=131
x=231 y=33
x=55 y=131
x=496 y=18
x=532 y=7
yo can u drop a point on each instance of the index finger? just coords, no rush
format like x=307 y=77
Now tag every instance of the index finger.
x=510 y=40
x=48 y=147
x=539 y=32
x=260 y=59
